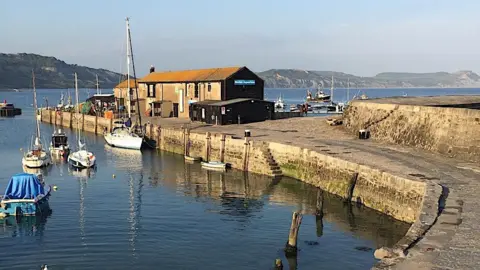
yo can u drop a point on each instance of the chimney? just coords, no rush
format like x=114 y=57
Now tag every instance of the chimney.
x=152 y=69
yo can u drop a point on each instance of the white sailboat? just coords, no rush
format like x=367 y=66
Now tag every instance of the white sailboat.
x=80 y=158
x=123 y=136
x=37 y=157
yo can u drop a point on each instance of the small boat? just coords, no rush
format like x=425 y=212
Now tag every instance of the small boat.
x=59 y=145
x=122 y=137
x=216 y=165
x=189 y=158
x=320 y=96
x=279 y=104
x=25 y=195
x=81 y=158
x=37 y=157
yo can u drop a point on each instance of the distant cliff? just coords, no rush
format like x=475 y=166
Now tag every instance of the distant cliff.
x=16 y=72
x=295 y=78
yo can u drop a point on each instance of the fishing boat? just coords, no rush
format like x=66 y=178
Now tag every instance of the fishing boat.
x=81 y=158
x=125 y=136
x=320 y=96
x=190 y=158
x=25 y=195
x=37 y=157
x=215 y=165
x=279 y=104
x=59 y=145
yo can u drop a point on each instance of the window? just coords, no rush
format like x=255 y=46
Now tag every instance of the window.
x=196 y=90
x=209 y=87
x=151 y=90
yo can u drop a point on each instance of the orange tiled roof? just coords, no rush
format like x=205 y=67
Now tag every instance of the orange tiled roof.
x=210 y=74
x=124 y=84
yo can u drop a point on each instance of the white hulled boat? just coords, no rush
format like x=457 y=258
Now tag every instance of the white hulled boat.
x=279 y=104
x=81 y=158
x=36 y=157
x=59 y=145
x=123 y=136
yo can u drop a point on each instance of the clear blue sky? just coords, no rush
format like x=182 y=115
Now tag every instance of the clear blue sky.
x=362 y=37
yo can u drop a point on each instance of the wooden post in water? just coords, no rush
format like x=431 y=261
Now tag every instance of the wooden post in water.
x=245 y=154
x=55 y=117
x=222 y=148
x=207 y=146
x=319 y=213
x=70 y=122
x=351 y=186
x=159 y=131
x=50 y=116
x=96 y=124
x=61 y=119
x=291 y=246
x=278 y=264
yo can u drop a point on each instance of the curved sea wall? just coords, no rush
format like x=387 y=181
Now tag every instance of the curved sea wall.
x=446 y=130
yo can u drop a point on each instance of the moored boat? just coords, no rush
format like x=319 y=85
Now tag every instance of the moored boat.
x=81 y=158
x=25 y=195
x=214 y=165
x=122 y=137
x=36 y=157
x=190 y=158
x=59 y=145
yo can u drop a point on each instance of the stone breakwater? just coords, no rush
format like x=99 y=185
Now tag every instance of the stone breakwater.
x=448 y=125
x=410 y=200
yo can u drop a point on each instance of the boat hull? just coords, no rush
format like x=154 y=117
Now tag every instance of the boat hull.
x=59 y=152
x=189 y=158
x=124 y=142
x=214 y=165
x=82 y=159
x=25 y=207
x=32 y=161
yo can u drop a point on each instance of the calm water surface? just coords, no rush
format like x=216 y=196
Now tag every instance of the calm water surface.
x=160 y=213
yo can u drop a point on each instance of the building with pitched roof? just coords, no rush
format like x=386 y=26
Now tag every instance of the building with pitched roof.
x=179 y=89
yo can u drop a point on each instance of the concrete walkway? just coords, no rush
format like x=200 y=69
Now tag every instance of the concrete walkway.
x=452 y=243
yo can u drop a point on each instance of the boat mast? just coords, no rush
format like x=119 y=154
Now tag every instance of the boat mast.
x=128 y=69
x=134 y=74
x=78 y=111
x=348 y=89
x=35 y=105
x=98 y=90
x=331 y=90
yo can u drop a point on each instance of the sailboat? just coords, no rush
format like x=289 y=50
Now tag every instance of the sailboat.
x=37 y=157
x=81 y=158
x=123 y=136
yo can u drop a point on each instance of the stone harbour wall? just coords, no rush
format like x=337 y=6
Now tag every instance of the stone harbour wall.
x=395 y=196
x=448 y=131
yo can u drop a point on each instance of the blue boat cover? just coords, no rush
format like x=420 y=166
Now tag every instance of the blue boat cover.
x=24 y=186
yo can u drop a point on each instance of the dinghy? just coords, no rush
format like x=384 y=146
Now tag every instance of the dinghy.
x=189 y=158
x=25 y=195
x=214 y=165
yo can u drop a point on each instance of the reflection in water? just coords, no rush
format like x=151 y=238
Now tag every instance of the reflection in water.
x=44 y=171
x=84 y=173
x=124 y=159
x=24 y=226
x=83 y=185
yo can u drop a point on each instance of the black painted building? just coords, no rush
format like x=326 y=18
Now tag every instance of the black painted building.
x=233 y=111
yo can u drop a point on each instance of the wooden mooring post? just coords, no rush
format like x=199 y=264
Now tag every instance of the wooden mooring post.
x=291 y=246
x=319 y=213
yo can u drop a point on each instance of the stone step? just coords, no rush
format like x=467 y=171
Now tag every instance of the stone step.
x=274 y=168
x=277 y=172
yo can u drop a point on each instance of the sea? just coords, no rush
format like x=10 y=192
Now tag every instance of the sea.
x=151 y=210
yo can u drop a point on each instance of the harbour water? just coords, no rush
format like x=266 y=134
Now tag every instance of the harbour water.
x=151 y=210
